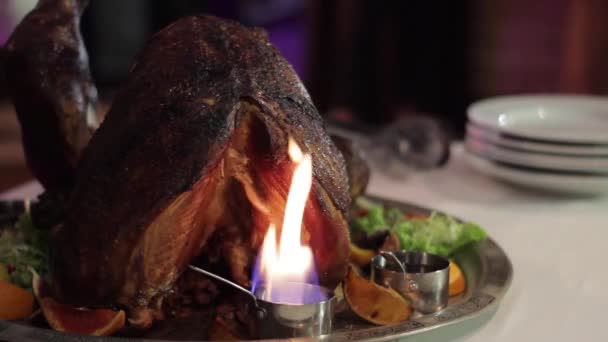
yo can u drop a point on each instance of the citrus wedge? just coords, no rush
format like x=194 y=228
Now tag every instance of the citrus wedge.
x=360 y=256
x=15 y=302
x=457 y=283
x=71 y=319
x=372 y=302
x=66 y=318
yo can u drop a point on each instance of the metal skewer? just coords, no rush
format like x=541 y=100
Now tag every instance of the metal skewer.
x=224 y=280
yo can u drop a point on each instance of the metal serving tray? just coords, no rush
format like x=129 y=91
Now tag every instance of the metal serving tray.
x=487 y=269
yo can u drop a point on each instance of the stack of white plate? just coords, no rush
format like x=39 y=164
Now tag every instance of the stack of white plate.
x=556 y=143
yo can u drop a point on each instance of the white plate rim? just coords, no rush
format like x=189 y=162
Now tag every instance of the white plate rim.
x=556 y=183
x=477 y=110
x=581 y=165
x=525 y=145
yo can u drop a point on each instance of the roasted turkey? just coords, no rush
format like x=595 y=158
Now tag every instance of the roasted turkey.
x=189 y=165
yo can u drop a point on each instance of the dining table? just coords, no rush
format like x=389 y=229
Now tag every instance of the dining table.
x=556 y=243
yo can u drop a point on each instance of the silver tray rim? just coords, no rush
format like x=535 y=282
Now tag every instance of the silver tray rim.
x=496 y=278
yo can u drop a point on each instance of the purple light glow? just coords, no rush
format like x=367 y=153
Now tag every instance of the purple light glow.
x=293 y=293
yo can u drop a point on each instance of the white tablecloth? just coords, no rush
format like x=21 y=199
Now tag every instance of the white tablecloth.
x=557 y=246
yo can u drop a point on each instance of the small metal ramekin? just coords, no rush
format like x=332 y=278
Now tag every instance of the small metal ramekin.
x=420 y=277
x=276 y=319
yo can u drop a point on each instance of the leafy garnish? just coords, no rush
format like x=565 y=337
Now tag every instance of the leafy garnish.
x=22 y=247
x=438 y=233
x=374 y=220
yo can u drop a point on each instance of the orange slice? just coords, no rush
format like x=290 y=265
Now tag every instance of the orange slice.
x=457 y=283
x=372 y=302
x=360 y=256
x=15 y=302
x=71 y=319
x=66 y=318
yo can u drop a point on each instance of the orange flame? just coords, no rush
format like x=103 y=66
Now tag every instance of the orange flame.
x=292 y=261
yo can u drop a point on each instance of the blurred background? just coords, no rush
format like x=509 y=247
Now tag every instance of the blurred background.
x=365 y=61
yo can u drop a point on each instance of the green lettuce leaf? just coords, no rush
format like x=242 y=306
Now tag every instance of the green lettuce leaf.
x=22 y=247
x=373 y=221
x=438 y=234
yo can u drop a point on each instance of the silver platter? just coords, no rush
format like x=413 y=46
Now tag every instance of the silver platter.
x=487 y=269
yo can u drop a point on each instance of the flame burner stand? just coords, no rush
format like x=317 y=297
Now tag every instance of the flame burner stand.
x=278 y=318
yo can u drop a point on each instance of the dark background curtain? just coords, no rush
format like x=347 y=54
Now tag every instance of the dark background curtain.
x=372 y=61
x=380 y=59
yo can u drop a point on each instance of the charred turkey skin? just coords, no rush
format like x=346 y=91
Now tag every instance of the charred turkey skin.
x=47 y=70
x=202 y=123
